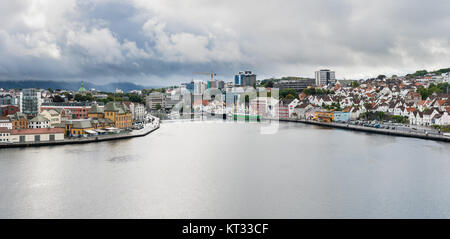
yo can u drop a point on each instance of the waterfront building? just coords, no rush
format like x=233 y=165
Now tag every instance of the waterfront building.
x=324 y=116
x=118 y=113
x=259 y=106
x=325 y=77
x=283 y=108
x=39 y=122
x=4 y=134
x=299 y=111
x=53 y=115
x=19 y=121
x=78 y=127
x=30 y=101
x=298 y=85
x=154 y=99
x=36 y=135
x=96 y=112
x=5 y=122
x=340 y=116
x=137 y=111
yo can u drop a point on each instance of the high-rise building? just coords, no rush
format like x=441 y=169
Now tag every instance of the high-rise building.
x=325 y=77
x=245 y=78
x=30 y=101
x=215 y=84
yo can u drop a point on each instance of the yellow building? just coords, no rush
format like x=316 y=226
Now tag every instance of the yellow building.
x=78 y=127
x=324 y=116
x=96 y=112
x=118 y=113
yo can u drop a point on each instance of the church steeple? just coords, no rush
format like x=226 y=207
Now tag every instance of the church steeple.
x=82 y=89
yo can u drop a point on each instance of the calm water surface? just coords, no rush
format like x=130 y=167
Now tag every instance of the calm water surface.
x=230 y=170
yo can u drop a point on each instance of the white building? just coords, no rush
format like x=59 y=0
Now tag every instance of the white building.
x=5 y=122
x=53 y=116
x=325 y=77
x=139 y=112
x=4 y=134
x=39 y=122
x=36 y=135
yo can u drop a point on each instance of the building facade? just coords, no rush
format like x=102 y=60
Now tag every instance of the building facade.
x=39 y=122
x=30 y=101
x=245 y=78
x=78 y=110
x=36 y=135
x=325 y=77
x=154 y=99
x=118 y=113
x=5 y=122
x=53 y=116
x=298 y=85
x=19 y=121
x=4 y=135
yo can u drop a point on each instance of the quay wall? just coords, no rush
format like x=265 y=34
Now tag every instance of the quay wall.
x=372 y=130
x=93 y=139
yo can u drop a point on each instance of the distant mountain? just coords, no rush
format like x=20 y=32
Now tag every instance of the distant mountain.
x=125 y=86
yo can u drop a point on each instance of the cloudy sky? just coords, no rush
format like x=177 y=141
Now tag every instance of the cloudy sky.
x=161 y=42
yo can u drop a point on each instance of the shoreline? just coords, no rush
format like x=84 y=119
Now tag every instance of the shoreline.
x=390 y=132
x=103 y=138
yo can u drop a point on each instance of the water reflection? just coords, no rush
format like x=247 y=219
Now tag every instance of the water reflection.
x=230 y=170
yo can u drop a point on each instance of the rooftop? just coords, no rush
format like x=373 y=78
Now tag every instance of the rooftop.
x=37 y=131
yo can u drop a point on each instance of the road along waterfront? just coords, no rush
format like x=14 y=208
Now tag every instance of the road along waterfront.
x=211 y=169
x=393 y=132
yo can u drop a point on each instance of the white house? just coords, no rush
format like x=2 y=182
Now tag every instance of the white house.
x=428 y=116
x=445 y=119
x=39 y=122
x=292 y=105
x=5 y=122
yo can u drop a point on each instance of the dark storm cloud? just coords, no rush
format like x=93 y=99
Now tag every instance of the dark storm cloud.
x=164 y=41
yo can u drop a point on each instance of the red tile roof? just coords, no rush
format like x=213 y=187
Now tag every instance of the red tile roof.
x=4 y=130
x=37 y=131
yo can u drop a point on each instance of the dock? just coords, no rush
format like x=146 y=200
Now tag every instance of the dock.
x=391 y=132
x=84 y=140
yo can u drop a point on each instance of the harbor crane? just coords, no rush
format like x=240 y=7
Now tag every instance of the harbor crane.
x=212 y=74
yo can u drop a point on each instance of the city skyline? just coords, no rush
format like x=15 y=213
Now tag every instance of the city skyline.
x=164 y=42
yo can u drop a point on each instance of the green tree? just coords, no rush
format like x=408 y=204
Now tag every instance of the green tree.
x=158 y=106
x=290 y=97
x=288 y=91
x=380 y=115
x=354 y=84
x=381 y=77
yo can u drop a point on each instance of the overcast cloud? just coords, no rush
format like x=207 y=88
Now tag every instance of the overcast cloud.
x=161 y=42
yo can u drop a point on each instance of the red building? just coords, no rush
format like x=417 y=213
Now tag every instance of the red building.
x=6 y=110
x=77 y=110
